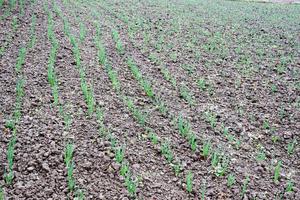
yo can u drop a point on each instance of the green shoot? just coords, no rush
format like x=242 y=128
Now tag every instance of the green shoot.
x=177 y=168
x=189 y=182
x=206 y=148
x=167 y=152
x=124 y=169
x=230 y=180
x=193 y=141
x=186 y=94
x=291 y=147
x=277 y=171
x=9 y=174
x=70 y=178
x=289 y=186
x=1 y=190
x=153 y=137
x=131 y=185
x=211 y=118
x=184 y=126
x=119 y=154
x=245 y=185
x=20 y=59
x=69 y=149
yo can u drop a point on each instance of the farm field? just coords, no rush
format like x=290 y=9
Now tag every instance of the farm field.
x=153 y=99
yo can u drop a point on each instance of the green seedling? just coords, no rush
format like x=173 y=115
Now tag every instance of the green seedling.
x=216 y=157
x=202 y=84
x=167 y=152
x=1 y=189
x=186 y=94
x=222 y=166
x=9 y=174
x=177 y=168
x=184 y=126
x=189 y=68
x=266 y=124
x=291 y=147
x=289 y=186
x=79 y=195
x=124 y=169
x=193 y=141
x=119 y=154
x=147 y=88
x=277 y=171
x=153 y=137
x=173 y=56
x=69 y=149
x=82 y=31
x=211 y=118
x=167 y=75
x=203 y=190
x=162 y=107
x=130 y=185
x=113 y=76
x=245 y=185
x=206 y=148
x=189 y=182
x=230 y=180
x=70 y=178
x=10 y=124
x=32 y=31
x=21 y=59
x=261 y=156
x=101 y=53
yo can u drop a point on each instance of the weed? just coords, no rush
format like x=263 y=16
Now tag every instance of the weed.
x=277 y=171
x=189 y=182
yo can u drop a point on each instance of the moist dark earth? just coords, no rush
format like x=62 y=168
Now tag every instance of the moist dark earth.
x=247 y=54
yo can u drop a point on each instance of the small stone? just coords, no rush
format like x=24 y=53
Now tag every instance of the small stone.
x=30 y=169
x=46 y=167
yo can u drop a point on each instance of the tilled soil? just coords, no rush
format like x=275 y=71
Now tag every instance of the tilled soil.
x=39 y=168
